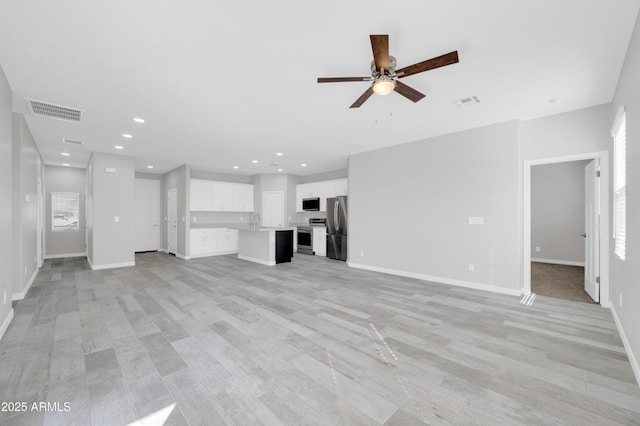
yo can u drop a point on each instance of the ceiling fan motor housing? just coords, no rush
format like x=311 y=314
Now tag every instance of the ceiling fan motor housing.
x=391 y=72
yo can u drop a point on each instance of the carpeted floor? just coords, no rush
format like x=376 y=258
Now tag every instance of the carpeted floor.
x=560 y=281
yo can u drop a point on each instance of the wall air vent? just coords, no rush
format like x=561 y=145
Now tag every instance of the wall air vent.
x=54 y=111
x=471 y=100
x=72 y=142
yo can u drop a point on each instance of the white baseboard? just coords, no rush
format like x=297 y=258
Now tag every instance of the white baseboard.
x=558 y=262
x=256 y=260
x=21 y=295
x=5 y=324
x=112 y=265
x=61 y=256
x=164 y=250
x=441 y=280
x=222 y=253
x=632 y=358
x=182 y=256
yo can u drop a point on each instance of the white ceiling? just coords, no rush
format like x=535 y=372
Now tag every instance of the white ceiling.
x=223 y=83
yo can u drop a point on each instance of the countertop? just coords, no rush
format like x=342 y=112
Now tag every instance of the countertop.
x=263 y=229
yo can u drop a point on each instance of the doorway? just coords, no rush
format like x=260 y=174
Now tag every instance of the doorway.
x=147 y=215
x=594 y=242
x=172 y=221
x=273 y=209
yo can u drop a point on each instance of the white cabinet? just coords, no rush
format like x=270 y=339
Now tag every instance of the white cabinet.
x=213 y=241
x=201 y=195
x=319 y=241
x=222 y=197
x=227 y=241
x=323 y=190
x=214 y=196
x=242 y=197
x=203 y=242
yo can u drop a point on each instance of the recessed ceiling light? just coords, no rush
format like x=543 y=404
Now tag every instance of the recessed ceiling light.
x=119 y=147
x=127 y=135
x=279 y=154
x=138 y=120
x=236 y=167
x=149 y=167
x=65 y=164
x=280 y=170
x=254 y=161
x=556 y=100
x=303 y=165
x=66 y=154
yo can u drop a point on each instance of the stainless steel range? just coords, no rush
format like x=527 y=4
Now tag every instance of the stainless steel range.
x=305 y=235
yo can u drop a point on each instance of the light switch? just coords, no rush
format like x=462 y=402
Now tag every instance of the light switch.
x=116 y=219
x=109 y=170
x=476 y=220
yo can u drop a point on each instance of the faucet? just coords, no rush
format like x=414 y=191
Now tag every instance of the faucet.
x=256 y=219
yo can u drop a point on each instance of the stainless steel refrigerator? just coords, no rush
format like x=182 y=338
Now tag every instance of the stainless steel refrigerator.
x=337 y=229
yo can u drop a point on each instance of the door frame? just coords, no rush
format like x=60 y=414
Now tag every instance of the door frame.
x=603 y=156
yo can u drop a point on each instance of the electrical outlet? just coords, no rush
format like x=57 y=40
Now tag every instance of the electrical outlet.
x=195 y=219
x=25 y=270
x=4 y=297
x=472 y=267
x=241 y=218
x=620 y=300
x=361 y=253
x=537 y=249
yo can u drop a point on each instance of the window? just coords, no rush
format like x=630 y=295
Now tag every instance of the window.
x=65 y=211
x=619 y=134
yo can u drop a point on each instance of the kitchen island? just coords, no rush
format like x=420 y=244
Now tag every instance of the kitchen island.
x=267 y=246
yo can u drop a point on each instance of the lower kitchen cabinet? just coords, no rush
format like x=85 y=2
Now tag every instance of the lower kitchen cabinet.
x=213 y=241
x=319 y=241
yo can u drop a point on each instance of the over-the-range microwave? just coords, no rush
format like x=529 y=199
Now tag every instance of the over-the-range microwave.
x=311 y=204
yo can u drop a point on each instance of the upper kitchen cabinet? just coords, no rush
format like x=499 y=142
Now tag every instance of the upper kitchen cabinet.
x=322 y=190
x=201 y=195
x=215 y=196
x=242 y=197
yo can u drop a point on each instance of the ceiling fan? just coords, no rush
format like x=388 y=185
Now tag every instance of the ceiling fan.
x=385 y=76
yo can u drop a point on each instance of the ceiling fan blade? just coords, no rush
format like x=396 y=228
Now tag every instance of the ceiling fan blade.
x=429 y=64
x=366 y=95
x=380 y=47
x=341 y=79
x=408 y=92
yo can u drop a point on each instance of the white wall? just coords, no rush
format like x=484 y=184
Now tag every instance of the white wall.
x=6 y=205
x=65 y=179
x=557 y=212
x=27 y=170
x=625 y=275
x=113 y=195
x=409 y=207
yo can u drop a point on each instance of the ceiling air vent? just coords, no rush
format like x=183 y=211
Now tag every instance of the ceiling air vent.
x=72 y=142
x=471 y=100
x=54 y=111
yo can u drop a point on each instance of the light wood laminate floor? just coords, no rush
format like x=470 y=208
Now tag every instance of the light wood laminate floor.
x=223 y=341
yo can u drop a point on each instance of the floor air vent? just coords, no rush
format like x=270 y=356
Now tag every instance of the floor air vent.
x=54 y=111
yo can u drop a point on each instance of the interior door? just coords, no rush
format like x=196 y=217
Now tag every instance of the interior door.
x=272 y=209
x=147 y=215
x=172 y=221
x=592 y=233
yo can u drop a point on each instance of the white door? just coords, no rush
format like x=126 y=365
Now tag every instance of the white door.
x=172 y=221
x=272 y=209
x=147 y=215
x=592 y=231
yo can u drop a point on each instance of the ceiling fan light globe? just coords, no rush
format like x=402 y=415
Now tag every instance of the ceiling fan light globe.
x=383 y=86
